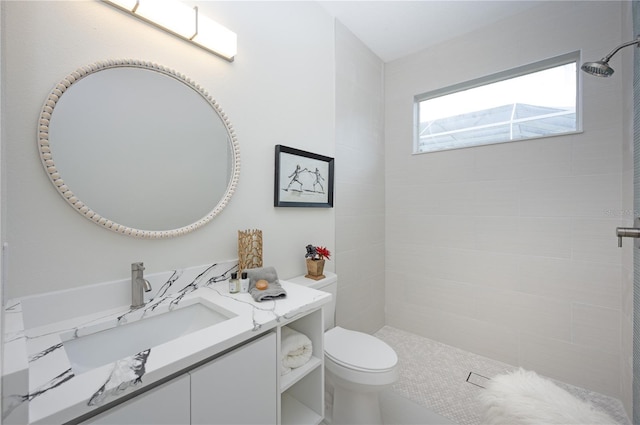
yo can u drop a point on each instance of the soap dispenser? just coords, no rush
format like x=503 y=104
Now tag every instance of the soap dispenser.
x=244 y=283
x=234 y=283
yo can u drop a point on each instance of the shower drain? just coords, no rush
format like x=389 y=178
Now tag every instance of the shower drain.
x=477 y=380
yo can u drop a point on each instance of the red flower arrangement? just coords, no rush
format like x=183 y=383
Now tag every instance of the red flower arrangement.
x=323 y=252
x=317 y=253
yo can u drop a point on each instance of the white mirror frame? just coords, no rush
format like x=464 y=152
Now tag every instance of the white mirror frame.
x=48 y=163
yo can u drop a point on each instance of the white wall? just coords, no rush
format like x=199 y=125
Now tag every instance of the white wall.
x=509 y=250
x=359 y=184
x=280 y=90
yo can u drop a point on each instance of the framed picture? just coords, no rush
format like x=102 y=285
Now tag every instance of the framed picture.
x=302 y=179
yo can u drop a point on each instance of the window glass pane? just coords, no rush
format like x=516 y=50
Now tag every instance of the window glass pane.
x=537 y=104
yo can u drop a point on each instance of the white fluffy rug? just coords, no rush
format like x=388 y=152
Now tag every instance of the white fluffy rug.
x=524 y=398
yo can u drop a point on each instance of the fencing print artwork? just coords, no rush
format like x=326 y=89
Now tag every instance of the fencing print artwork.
x=302 y=179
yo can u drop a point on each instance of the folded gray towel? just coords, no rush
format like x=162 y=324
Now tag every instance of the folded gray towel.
x=274 y=291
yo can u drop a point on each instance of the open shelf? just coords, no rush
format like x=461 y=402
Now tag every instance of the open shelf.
x=298 y=373
x=296 y=413
x=302 y=389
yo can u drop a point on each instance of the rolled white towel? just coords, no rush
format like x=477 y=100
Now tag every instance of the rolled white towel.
x=296 y=349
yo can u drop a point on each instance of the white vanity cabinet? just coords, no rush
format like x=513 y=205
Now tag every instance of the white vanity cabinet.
x=166 y=404
x=243 y=386
x=302 y=389
x=222 y=366
x=237 y=388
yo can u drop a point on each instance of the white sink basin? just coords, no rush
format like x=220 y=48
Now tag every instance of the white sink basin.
x=105 y=346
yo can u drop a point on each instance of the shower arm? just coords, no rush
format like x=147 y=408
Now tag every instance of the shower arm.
x=614 y=51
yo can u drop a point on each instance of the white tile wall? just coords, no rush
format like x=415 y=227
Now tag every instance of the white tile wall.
x=626 y=352
x=509 y=250
x=596 y=327
x=360 y=203
x=577 y=281
x=573 y=363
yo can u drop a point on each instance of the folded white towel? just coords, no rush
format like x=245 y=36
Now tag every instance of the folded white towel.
x=296 y=349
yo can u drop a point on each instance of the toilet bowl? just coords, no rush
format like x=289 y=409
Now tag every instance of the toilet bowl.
x=358 y=366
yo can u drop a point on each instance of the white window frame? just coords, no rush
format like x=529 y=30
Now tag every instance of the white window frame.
x=573 y=57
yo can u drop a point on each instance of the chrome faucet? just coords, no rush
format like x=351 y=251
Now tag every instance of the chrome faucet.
x=138 y=284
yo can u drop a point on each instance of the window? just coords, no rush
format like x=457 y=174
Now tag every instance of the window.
x=537 y=100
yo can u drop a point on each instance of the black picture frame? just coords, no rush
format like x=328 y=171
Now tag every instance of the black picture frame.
x=302 y=179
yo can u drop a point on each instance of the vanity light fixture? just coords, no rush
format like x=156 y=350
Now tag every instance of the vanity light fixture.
x=185 y=22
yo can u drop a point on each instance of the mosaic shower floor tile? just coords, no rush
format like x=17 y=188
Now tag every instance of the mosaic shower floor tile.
x=447 y=380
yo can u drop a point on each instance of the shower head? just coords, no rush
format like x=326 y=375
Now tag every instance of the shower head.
x=601 y=68
x=598 y=68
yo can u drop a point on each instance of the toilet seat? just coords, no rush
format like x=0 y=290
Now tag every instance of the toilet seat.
x=359 y=351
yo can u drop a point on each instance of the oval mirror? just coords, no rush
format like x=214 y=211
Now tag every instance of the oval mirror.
x=138 y=148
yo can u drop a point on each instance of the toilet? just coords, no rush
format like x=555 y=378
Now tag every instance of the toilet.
x=358 y=366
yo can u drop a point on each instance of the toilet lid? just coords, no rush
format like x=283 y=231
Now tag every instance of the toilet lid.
x=357 y=350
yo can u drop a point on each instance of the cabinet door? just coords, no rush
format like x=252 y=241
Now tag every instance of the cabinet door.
x=166 y=404
x=238 y=388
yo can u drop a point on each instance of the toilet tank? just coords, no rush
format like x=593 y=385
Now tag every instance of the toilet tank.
x=328 y=284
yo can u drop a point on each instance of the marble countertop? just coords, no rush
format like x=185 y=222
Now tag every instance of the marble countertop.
x=34 y=330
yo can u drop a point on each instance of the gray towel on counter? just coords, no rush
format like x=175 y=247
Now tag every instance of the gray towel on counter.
x=273 y=291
